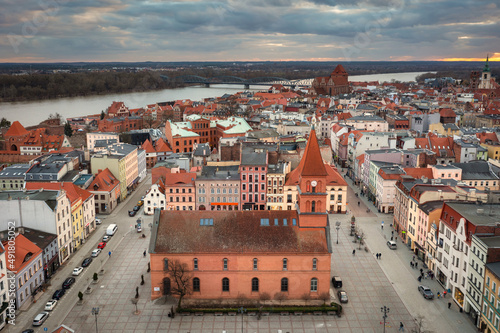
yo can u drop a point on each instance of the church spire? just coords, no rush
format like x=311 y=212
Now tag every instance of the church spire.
x=487 y=64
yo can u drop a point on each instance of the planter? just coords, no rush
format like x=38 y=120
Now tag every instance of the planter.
x=89 y=290
x=231 y=314
x=95 y=281
x=298 y=313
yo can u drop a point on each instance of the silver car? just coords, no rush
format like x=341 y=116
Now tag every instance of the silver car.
x=40 y=318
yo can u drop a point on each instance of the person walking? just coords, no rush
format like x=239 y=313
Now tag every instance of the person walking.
x=401 y=327
x=444 y=293
x=411 y=264
x=380 y=255
x=382 y=225
x=392 y=233
x=439 y=295
x=109 y=253
x=416 y=264
x=354 y=252
x=144 y=254
x=449 y=305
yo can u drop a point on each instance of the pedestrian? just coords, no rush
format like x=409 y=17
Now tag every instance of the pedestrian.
x=416 y=264
x=358 y=203
x=392 y=238
x=444 y=293
x=380 y=255
x=413 y=258
x=411 y=264
x=382 y=225
x=109 y=253
x=449 y=305
x=421 y=270
x=354 y=252
x=376 y=255
x=439 y=295
x=144 y=254
x=401 y=327
x=396 y=238
x=419 y=278
x=392 y=233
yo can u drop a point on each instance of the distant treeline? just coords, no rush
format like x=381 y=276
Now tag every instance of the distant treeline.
x=45 y=86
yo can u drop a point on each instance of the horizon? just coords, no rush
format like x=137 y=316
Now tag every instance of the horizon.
x=58 y=31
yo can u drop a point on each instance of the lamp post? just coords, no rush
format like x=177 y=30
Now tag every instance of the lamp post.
x=242 y=310
x=337 y=226
x=385 y=311
x=95 y=312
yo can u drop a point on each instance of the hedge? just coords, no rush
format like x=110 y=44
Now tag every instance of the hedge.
x=305 y=309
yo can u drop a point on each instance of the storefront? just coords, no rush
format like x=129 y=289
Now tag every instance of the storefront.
x=441 y=278
x=459 y=297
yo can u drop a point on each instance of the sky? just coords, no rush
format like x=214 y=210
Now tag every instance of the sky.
x=248 y=30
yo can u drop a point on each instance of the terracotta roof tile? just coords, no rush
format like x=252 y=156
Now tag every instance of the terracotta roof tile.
x=16 y=129
x=105 y=181
x=311 y=163
x=24 y=251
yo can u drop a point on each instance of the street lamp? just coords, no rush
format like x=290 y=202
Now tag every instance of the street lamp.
x=95 y=312
x=242 y=310
x=385 y=311
x=337 y=226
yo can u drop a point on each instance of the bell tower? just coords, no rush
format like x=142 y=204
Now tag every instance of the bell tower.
x=486 y=76
x=311 y=198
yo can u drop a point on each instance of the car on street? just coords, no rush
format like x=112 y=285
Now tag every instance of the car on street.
x=68 y=282
x=40 y=318
x=132 y=213
x=337 y=282
x=136 y=208
x=96 y=252
x=342 y=296
x=392 y=245
x=77 y=271
x=28 y=331
x=58 y=294
x=426 y=292
x=98 y=221
x=106 y=239
x=86 y=262
x=50 y=305
x=140 y=203
x=101 y=245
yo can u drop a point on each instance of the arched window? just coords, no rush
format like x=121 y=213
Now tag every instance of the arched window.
x=315 y=264
x=314 y=285
x=196 y=284
x=255 y=284
x=195 y=264
x=225 y=284
x=313 y=206
x=285 y=264
x=254 y=264
x=284 y=284
x=225 y=264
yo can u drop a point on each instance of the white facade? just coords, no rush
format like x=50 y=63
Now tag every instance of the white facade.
x=475 y=287
x=88 y=211
x=92 y=137
x=141 y=164
x=155 y=198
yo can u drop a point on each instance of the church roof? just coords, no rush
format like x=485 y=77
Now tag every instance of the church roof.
x=311 y=163
x=16 y=129
x=339 y=70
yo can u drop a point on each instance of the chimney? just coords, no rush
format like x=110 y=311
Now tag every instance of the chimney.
x=480 y=211
x=20 y=230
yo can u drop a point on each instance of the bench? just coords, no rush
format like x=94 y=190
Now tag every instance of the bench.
x=231 y=313
x=198 y=313
x=218 y=314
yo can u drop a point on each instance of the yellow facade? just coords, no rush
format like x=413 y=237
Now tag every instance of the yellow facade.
x=77 y=222
x=493 y=150
x=490 y=312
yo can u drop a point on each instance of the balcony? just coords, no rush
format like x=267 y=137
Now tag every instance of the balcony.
x=455 y=246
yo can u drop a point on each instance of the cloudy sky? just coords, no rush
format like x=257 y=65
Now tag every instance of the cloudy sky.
x=248 y=30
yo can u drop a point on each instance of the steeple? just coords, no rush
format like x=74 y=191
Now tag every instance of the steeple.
x=487 y=64
x=311 y=163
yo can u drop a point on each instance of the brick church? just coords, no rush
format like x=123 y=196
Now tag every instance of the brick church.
x=335 y=84
x=234 y=255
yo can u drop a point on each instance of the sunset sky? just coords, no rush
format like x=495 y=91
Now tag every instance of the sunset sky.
x=251 y=30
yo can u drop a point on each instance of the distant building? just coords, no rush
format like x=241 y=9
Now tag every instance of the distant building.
x=12 y=177
x=335 y=84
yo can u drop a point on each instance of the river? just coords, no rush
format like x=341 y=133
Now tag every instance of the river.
x=33 y=112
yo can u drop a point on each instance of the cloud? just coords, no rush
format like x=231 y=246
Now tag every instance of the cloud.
x=140 y=30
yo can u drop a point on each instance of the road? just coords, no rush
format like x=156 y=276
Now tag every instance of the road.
x=125 y=226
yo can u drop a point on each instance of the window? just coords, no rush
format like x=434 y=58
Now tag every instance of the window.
x=195 y=264
x=284 y=285
x=196 y=284
x=314 y=285
x=255 y=284
x=254 y=264
x=165 y=264
x=225 y=284
x=285 y=264
x=225 y=264
x=315 y=264
x=313 y=206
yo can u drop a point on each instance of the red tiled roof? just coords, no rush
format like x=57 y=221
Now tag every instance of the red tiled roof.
x=105 y=181
x=339 y=70
x=418 y=173
x=73 y=192
x=180 y=179
x=16 y=129
x=148 y=147
x=422 y=143
x=483 y=136
x=161 y=146
x=334 y=177
x=447 y=113
x=311 y=163
x=236 y=232
x=24 y=252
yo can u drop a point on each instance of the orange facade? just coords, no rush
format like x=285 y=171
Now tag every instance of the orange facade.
x=295 y=280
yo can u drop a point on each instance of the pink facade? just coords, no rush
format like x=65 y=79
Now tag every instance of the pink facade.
x=253 y=187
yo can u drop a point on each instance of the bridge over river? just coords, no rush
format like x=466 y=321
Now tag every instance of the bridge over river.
x=207 y=81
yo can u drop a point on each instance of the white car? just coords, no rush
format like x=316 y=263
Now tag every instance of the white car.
x=77 y=271
x=98 y=221
x=105 y=239
x=50 y=305
x=96 y=252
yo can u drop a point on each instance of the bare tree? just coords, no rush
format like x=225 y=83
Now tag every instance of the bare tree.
x=279 y=296
x=306 y=297
x=324 y=296
x=264 y=297
x=181 y=276
x=148 y=120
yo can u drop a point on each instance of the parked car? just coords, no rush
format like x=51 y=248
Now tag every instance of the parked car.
x=136 y=208
x=132 y=213
x=58 y=294
x=106 y=238
x=68 y=282
x=86 y=262
x=140 y=203
x=28 y=331
x=337 y=282
x=98 y=221
x=101 y=245
x=50 y=305
x=40 y=318
x=96 y=252
x=426 y=292
x=77 y=271
x=342 y=296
